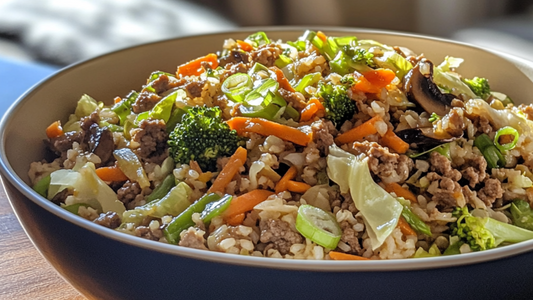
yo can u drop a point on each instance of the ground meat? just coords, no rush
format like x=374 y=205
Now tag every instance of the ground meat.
x=475 y=173
x=491 y=191
x=146 y=233
x=164 y=83
x=234 y=57
x=194 y=88
x=266 y=55
x=233 y=69
x=445 y=192
x=101 y=143
x=61 y=144
x=145 y=101
x=152 y=137
x=527 y=110
x=279 y=234
x=60 y=197
x=349 y=236
x=295 y=99
x=482 y=124
x=323 y=135
x=389 y=167
x=192 y=238
x=443 y=166
x=453 y=122
x=109 y=219
x=128 y=192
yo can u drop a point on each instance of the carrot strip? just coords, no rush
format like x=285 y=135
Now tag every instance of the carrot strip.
x=54 y=130
x=235 y=162
x=308 y=112
x=112 y=173
x=297 y=187
x=289 y=175
x=359 y=132
x=391 y=140
x=363 y=85
x=194 y=67
x=405 y=227
x=380 y=78
x=236 y=220
x=345 y=256
x=245 y=46
x=282 y=80
x=193 y=164
x=266 y=128
x=400 y=191
x=321 y=36
x=317 y=103
x=246 y=202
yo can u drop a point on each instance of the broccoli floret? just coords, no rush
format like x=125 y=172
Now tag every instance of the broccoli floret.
x=360 y=56
x=203 y=136
x=339 y=107
x=485 y=233
x=480 y=86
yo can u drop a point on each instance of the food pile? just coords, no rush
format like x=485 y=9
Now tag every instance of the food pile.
x=320 y=148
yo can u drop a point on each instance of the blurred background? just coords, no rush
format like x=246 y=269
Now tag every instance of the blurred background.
x=60 y=32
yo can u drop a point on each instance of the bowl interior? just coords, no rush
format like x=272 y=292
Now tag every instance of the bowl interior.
x=117 y=73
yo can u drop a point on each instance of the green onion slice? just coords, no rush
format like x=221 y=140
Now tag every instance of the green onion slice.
x=507 y=130
x=318 y=226
x=237 y=86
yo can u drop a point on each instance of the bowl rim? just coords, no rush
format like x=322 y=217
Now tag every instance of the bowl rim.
x=8 y=173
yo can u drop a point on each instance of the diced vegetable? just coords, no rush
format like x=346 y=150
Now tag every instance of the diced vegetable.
x=128 y=162
x=405 y=227
x=289 y=175
x=397 y=189
x=54 y=130
x=194 y=67
x=246 y=202
x=283 y=82
x=231 y=168
x=391 y=140
x=413 y=220
x=492 y=155
x=266 y=128
x=318 y=226
x=522 y=214
x=162 y=189
x=380 y=210
x=216 y=208
x=184 y=220
x=112 y=173
x=258 y=39
x=359 y=132
x=237 y=86
x=345 y=256
x=506 y=131
x=297 y=187
x=41 y=186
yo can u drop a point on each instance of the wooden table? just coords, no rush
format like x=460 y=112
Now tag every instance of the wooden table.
x=24 y=273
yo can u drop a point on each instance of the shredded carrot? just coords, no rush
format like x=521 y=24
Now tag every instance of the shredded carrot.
x=266 y=128
x=236 y=220
x=359 y=132
x=117 y=99
x=393 y=187
x=317 y=103
x=391 y=140
x=380 y=78
x=345 y=256
x=405 y=227
x=235 y=162
x=194 y=67
x=373 y=81
x=322 y=36
x=297 y=187
x=282 y=80
x=308 y=112
x=112 y=173
x=283 y=182
x=245 y=46
x=246 y=202
x=54 y=130
x=193 y=164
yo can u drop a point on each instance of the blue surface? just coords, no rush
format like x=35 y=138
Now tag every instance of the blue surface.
x=17 y=77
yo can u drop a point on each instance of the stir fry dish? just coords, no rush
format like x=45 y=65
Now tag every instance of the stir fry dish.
x=325 y=147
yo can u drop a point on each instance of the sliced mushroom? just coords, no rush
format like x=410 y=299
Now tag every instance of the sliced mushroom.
x=421 y=89
x=424 y=139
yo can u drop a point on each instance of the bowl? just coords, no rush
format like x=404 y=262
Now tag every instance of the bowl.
x=105 y=264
